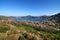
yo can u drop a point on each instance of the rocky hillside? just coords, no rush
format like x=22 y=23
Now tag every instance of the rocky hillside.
x=29 y=30
x=53 y=20
x=55 y=17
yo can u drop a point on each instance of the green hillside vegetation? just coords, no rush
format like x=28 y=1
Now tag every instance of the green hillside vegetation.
x=43 y=34
x=3 y=27
x=17 y=30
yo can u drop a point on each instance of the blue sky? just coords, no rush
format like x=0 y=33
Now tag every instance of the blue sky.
x=29 y=7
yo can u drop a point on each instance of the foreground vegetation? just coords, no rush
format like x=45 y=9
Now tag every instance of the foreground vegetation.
x=17 y=31
x=46 y=34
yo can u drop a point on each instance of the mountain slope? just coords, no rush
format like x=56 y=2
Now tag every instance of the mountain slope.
x=55 y=19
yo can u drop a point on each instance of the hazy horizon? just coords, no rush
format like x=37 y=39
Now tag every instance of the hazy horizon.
x=29 y=7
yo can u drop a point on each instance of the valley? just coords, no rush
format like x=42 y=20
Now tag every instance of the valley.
x=29 y=30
